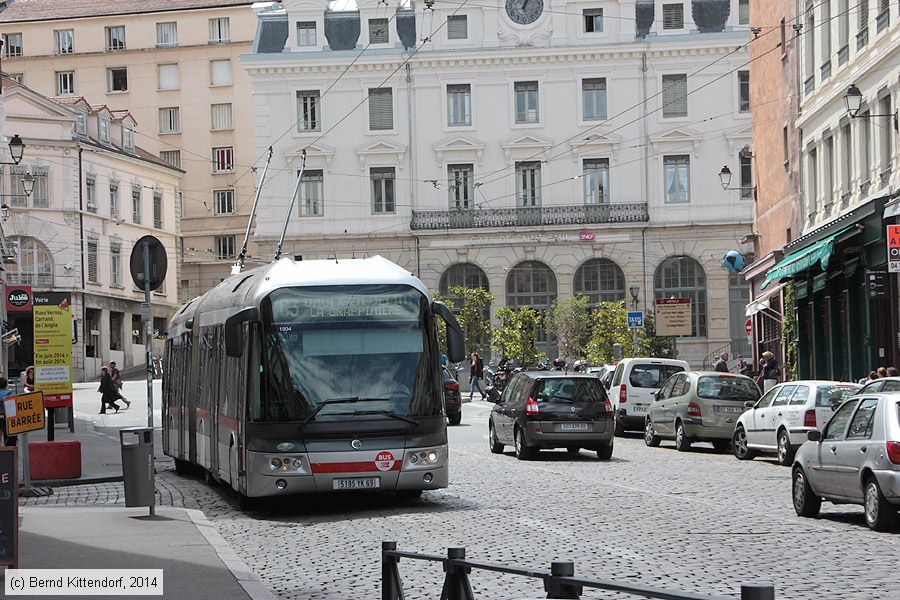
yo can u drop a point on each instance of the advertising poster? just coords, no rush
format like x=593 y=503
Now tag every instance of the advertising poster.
x=673 y=316
x=53 y=347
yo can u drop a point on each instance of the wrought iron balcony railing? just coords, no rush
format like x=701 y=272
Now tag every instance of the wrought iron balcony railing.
x=578 y=214
x=882 y=20
x=862 y=38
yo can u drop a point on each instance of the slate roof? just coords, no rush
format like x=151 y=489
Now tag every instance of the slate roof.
x=273 y=34
x=17 y=11
x=406 y=28
x=342 y=29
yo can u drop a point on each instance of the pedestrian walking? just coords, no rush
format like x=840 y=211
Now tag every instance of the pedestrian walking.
x=882 y=372
x=109 y=392
x=116 y=377
x=476 y=372
x=29 y=379
x=768 y=371
x=893 y=372
x=743 y=365
x=722 y=364
x=8 y=440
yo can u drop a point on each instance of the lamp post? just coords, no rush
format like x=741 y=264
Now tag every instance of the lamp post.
x=16 y=150
x=634 y=290
x=853 y=103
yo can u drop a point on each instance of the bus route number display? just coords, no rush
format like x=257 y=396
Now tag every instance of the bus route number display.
x=293 y=309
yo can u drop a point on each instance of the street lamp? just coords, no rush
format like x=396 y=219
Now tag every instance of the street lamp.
x=853 y=103
x=4 y=211
x=16 y=150
x=27 y=188
x=28 y=183
x=634 y=291
x=725 y=177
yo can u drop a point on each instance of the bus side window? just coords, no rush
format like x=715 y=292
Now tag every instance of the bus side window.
x=254 y=367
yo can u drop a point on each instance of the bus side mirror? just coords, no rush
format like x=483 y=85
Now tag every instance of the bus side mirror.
x=234 y=339
x=456 y=340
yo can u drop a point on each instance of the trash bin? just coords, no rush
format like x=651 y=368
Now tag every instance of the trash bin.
x=137 y=466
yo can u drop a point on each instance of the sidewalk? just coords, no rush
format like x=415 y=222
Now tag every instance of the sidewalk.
x=197 y=563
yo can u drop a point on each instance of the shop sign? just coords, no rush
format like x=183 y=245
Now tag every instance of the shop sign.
x=673 y=316
x=586 y=236
x=18 y=298
x=893 y=248
x=53 y=348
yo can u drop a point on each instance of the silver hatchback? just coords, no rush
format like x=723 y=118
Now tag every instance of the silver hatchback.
x=854 y=460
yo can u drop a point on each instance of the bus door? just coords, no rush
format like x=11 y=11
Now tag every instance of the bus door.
x=191 y=393
x=214 y=401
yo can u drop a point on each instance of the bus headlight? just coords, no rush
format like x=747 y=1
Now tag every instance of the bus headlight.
x=424 y=458
x=275 y=464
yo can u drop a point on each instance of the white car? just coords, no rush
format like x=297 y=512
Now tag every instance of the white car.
x=634 y=383
x=604 y=373
x=778 y=422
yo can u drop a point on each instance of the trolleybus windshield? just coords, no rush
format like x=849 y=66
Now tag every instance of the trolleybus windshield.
x=371 y=343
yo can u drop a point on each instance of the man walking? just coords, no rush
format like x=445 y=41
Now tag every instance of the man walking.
x=117 y=380
x=722 y=364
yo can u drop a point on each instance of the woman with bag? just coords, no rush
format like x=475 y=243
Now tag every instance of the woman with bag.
x=476 y=372
x=109 y=392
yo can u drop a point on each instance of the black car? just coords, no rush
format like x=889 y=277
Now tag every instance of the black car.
x=552 y=409
x=452 y=399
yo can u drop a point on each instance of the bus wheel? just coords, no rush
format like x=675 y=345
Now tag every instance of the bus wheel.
x=183 y=467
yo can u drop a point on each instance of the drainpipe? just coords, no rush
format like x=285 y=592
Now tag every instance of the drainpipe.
x=411 y=157
x=646 y=178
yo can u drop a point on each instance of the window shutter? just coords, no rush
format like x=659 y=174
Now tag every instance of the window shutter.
x=457 y=27
x=157 y=210
x=673 y=16
x=381 y=109
x=168 y=77
x=221 y=72
x=675 y=96
x=744 y=12
x=92 y=260
x=378 y=31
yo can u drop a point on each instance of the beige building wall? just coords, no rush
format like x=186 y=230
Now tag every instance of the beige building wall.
x=40 y=65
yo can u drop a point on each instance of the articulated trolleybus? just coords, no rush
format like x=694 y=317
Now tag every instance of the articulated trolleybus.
x=310 y=376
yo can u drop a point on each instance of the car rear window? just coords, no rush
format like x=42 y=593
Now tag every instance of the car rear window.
x=574 y=389
x=727 y=388
x=652 y=376
x=448 y=378
x=829 y=394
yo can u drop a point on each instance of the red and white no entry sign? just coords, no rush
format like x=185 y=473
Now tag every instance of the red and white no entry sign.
x=748 y=326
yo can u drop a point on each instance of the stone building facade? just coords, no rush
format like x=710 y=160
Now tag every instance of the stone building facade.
x=96 y=192
x=570 y=148
x=174 y=65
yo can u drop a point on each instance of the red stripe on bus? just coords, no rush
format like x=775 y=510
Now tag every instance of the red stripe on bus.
x=351 y=467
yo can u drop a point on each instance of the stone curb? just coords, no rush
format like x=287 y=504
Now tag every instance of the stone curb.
x=248 y=580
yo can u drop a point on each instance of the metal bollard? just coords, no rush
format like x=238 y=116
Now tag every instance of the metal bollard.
x=754 y=591
x=456 y=582
x=391 y=589
x=559 y=589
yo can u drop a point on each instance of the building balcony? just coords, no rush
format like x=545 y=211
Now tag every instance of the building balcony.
x=882 y=20
x=577 y=214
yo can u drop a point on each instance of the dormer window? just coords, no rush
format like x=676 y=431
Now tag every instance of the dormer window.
x=128 y=136
x=306 y=33
x=378 y=31
x=80 y=123
x=673 y=16
x=103 y=128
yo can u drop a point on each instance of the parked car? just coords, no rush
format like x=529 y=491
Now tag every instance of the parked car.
x=452 y=398
x=778 y=423
x=634 y=383
x=604 y=373
x=552 y=409
x=885 y=384
x=698 y=406
x=854 y=460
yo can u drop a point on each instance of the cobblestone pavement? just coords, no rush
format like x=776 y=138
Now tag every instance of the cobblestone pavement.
x=701 y=521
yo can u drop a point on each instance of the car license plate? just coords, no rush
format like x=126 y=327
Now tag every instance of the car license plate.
x=573 y=427
x=639 y=408
x=729 y=409
x=357 y=483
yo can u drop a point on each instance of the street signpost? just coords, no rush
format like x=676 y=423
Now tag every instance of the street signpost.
x=673 y=316
x=24 y=413
x=149 y=264
x=893 y=248
x=635 y=319
x=53 y=352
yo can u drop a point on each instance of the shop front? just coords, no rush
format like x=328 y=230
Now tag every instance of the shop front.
x=844 y=298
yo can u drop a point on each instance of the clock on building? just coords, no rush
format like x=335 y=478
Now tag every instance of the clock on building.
x=524 y=12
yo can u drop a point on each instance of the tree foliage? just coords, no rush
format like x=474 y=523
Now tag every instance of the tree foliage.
x=570 y=321
x=789 y=334
x=514 y=337
x=474 y=317
x=610 y=326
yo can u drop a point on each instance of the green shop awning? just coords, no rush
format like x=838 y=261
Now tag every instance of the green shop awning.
x=820 y=252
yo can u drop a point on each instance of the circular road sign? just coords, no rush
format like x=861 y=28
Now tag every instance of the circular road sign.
x=748 y=326
x=158 y=262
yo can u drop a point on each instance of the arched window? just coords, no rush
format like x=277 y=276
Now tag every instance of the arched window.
x=683 y=277
x=34 y=265
x=465 y=275
x=601 y=280
x=533 y=284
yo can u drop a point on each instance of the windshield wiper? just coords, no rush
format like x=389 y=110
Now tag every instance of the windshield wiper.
x=387 y=413
x=349 y=400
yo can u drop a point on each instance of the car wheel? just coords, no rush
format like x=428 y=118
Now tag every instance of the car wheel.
x=806 y=502
x=183 y=467
x=785 y=450
x=456 y=419
x=881 y=515
x=573 y=449
x=619 y=430
x=493 y=442
x=739 y=445
x=682 y=443
x=720 y=445
x=650 y=437
x=523 y=451
x=605 y=452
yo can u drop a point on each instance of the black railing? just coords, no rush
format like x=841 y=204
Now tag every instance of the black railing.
x=825 y=70
x=809 y=85
x=560 y=582
x=531 y=216
x=843 y=54
x=862 y=38
x=882 y=20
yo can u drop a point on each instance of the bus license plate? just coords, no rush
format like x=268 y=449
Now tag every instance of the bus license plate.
x=357 y=483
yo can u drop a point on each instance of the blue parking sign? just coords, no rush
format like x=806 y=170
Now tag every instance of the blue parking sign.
x=635 y=319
